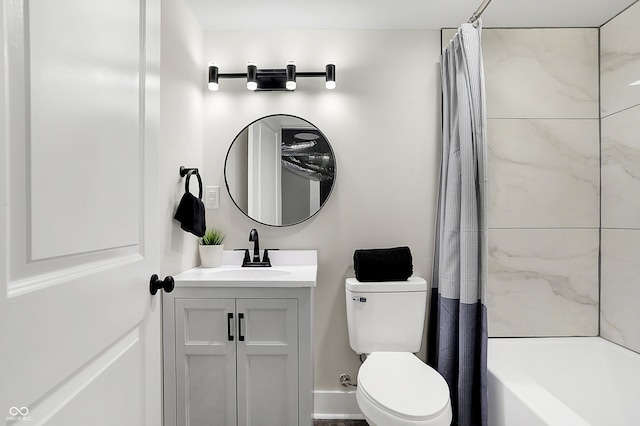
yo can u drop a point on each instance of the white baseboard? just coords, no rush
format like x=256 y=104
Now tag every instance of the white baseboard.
x=336 y=405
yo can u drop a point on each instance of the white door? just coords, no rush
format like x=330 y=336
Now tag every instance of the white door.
x=264 y=174
x=79 y=330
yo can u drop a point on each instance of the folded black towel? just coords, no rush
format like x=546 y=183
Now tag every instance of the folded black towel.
x=387 y=264
x=190 y=212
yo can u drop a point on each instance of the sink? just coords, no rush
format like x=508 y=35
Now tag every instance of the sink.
x=290 y=268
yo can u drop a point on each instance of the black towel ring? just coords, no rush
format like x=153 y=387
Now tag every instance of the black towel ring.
x=188 y=172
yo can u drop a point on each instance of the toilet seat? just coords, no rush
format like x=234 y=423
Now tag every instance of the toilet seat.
x=405 y=388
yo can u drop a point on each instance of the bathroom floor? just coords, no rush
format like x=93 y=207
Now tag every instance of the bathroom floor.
x=339 y=423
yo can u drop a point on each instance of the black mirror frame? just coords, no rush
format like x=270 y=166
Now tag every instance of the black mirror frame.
x=335 y=171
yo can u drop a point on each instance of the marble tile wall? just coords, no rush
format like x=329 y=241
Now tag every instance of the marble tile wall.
x=544 y=182
x=541 y=73
x=544 y=173
x=543 y=282
x=621 y=169
x=544 y=165
x=620 y=245
x=620 y=293
x=619 y=64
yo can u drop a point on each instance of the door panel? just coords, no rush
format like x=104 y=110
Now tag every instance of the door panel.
x=206 y=392
x=205 y=362
x=118 y=368
x=80 y=146
x=79 y=160
x=268 y=362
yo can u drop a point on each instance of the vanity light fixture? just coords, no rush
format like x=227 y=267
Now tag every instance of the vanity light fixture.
x=263 y=80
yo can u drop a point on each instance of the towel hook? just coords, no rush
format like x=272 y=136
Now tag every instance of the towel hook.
x=184 y=170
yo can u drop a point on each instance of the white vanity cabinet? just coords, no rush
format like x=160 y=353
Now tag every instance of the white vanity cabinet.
x=237 y=353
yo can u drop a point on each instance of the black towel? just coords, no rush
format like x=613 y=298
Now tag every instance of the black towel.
x=190 y=212
x=387 y=264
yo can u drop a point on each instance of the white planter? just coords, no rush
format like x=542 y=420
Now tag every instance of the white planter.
x=211 y=256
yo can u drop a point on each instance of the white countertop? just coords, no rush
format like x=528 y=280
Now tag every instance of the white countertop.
x=289 y=268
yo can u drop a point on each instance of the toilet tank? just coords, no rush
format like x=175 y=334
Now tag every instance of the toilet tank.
x=386 y=316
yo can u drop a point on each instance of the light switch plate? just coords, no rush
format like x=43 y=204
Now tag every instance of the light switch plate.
x=212 y=197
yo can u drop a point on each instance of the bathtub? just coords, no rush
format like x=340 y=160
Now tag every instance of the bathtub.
x=571 y=381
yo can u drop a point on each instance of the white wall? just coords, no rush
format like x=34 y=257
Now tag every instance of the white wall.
x=180 y=128
x=383 y=122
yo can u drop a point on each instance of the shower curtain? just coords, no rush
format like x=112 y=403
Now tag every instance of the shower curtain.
x=458 y=314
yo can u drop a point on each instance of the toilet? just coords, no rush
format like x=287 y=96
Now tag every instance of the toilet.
x=386 y=323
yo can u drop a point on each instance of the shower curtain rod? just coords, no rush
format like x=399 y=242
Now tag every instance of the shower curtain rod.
x=476 y=15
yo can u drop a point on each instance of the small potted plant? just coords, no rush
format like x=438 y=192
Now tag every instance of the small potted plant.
x=211 y=248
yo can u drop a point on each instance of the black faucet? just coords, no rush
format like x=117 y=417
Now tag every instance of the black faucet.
x=253 y=237
x=255 y=259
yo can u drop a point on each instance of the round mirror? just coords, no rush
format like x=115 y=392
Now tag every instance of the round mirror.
x=280 y=170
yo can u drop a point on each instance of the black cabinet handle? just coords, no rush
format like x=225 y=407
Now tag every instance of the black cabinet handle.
x=240 y=336
x=229 y=320
x=156 y=284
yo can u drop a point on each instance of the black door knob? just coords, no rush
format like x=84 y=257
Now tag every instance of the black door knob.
x=156 y=284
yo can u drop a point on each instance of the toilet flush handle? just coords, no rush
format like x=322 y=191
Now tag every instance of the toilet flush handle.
x=359 y=299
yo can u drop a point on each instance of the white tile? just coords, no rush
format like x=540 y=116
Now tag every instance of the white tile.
x=621 y=169
x=544 y=173
x=620 y=61
x=543 y=282
x=541 y=73
x=620 y=294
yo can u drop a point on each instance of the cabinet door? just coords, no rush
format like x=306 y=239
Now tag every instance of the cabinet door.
x=267 y=352
x=205 y=362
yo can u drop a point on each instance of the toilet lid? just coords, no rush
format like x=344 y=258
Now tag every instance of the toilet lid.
x=400 y=383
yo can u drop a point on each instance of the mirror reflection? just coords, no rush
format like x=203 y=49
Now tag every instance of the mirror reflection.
x=280 y=170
